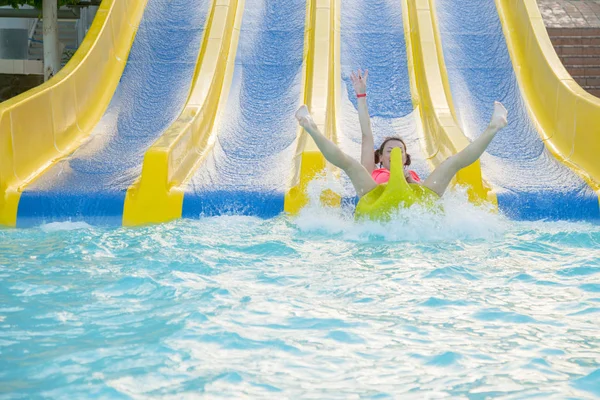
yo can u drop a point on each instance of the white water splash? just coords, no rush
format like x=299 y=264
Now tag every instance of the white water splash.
x=64 y=226
x=459 y=219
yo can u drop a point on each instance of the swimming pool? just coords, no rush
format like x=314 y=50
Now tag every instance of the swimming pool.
x=463 y=305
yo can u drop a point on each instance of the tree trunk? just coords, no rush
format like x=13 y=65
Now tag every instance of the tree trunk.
x=51 y=46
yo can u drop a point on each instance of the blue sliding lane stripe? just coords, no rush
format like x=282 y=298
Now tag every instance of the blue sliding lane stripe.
x=372 y=37
x=248 y=169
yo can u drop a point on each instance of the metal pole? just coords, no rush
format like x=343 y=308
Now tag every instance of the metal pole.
x=51 y=48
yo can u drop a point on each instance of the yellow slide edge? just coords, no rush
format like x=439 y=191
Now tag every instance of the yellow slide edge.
x=46 y=123
x=321 y=90
x=429 y=83
x=566 y=116
x=157 y=195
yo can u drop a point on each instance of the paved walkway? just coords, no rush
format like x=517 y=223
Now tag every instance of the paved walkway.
x=570 y=13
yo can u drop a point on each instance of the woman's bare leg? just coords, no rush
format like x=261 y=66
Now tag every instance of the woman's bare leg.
x=361 y=179
x=440 y=178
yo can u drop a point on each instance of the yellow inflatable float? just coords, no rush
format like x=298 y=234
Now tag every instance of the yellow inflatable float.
x=381 y=203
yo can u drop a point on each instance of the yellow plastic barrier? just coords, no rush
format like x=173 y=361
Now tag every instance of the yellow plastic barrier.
x=157 y=195
x=567 y=117
x=48 y=122
x=431 y=95
x=321 y=86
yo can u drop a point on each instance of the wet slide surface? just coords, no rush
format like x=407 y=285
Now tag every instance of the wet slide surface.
x=372 y=37
x=90 y=185
x=247 y=170
x=529 y=181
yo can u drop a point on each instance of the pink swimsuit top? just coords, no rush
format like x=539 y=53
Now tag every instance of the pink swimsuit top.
x=382 y=175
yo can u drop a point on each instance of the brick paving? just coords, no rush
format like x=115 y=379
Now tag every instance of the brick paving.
x=570 y=13
x=574 y=28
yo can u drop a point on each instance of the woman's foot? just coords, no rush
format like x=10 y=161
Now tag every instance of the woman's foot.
x=499 y=117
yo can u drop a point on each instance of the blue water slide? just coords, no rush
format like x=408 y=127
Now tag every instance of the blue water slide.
x=90 y=185
x=372 y=37
x=247 y=170
x=530 y=183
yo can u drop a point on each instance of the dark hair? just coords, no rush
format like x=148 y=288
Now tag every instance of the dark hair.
x=379 y=152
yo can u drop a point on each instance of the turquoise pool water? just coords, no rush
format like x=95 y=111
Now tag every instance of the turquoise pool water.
x=463 y=305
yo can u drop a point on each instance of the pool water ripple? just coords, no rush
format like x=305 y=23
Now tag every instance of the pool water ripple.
x=242 y=307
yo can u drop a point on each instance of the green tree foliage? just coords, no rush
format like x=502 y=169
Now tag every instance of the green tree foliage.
x=35 y=3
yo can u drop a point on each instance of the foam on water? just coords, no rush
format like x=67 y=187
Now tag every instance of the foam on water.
x=64 y=226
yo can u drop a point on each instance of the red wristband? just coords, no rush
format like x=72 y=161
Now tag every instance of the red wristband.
x=359 y=95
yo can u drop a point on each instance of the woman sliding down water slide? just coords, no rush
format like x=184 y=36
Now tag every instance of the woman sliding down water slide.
x=364 y=175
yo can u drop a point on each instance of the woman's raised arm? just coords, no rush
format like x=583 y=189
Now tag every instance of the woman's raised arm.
x=359 y=81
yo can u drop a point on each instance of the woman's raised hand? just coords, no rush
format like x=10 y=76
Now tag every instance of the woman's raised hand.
x=304 y=119
x=359 y=81
x=499 y=117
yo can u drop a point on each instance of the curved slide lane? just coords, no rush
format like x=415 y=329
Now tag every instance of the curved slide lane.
x=67 y=107
x=91 y=184
x=372 y=37
x=246 y=170
x=529 y=182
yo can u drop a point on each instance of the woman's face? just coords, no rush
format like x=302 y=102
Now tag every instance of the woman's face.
x=387 y=150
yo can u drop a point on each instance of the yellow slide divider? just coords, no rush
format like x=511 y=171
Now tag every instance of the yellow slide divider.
x=321 y=91
x=443 y=137
x=46 y=123
x=567 y=117
x=157 y=195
